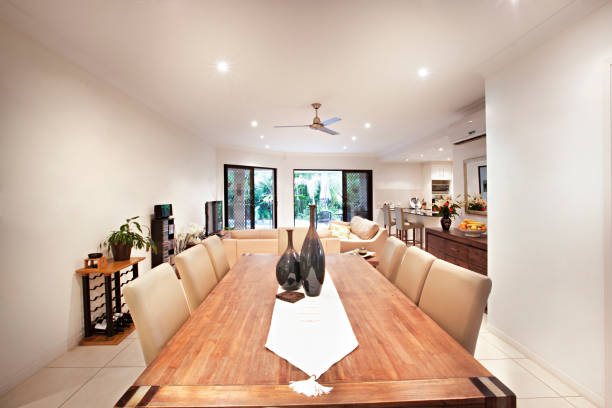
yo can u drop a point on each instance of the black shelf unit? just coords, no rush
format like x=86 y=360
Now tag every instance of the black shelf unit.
x=162 y=232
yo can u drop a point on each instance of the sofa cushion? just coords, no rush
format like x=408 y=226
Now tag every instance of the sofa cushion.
x=340 y=231
x=324 y=232
x=364 y=229
x=255 y=234
x=338 y=222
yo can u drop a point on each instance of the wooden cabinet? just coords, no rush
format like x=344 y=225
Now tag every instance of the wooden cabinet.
x=455 y=247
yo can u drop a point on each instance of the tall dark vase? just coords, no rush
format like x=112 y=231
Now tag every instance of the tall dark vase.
x=312 y=259
x=288 y=266
x=446 y=222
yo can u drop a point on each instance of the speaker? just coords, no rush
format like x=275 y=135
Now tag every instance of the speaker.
x=163 y=210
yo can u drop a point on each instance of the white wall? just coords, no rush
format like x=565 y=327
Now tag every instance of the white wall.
x=391 y=181
x=548 y=119
x=76 y=158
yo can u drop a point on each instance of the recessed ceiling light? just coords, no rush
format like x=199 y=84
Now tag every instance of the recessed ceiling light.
x=448 y=158
x=343 y=147
x=222 y=66
x=254 y=123
x=440 y=149
x=470 y=121
x=267 y=146
x=354 y=138
x=422 y=155
x=367 y=125
x=406 y=159
x=261 y=136
x=423 y=72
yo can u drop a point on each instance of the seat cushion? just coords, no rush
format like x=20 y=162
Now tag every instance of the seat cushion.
x=455 y=298
x=364 y=229
x=413 y=271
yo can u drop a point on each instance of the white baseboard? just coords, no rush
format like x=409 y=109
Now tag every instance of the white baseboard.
x=581 y=389
x=33 y=366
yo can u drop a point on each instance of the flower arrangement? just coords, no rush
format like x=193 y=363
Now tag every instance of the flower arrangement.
x=447 y=207
x=476 y=203
x=189 y=238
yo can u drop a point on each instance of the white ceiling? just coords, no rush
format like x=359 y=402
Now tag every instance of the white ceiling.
x=358 y=58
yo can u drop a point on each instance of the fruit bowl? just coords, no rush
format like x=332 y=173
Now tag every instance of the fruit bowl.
x=472 y=228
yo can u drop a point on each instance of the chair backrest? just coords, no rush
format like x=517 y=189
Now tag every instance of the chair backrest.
x=413 y=271
x=197 y=274
x=399 y=218
x=388 y=218
x=217 y=254
x=158 y=306
x=391 y=257
x=456 y=298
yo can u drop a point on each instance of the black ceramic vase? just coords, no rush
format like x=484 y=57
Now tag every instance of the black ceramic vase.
x=288 y=266
x=312 y=259
x=446 y=222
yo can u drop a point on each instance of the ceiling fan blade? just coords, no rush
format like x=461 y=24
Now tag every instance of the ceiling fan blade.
x=330 y=121
x=292 y=126
x=326 y=130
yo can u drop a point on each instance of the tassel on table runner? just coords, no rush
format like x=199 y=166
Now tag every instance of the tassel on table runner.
x=309 y=387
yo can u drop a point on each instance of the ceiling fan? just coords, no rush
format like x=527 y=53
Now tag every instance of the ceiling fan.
x=316 y=122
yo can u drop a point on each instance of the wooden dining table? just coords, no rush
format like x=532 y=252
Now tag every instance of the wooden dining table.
x=404 y=359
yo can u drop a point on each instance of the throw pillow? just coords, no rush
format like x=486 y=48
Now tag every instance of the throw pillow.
x=340 y=231
x=364 y=229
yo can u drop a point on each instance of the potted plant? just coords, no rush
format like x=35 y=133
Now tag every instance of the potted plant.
x=128 y=236
x=447 y=210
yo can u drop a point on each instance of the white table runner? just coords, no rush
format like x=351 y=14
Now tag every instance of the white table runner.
x=312 y=334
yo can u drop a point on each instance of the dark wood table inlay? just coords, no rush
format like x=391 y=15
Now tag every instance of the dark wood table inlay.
x=218 y=357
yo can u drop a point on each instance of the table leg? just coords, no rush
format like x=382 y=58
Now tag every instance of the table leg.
x=117 y=292
x=108 y=295
x=86 y=306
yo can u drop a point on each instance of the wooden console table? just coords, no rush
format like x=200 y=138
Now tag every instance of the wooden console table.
x=454 y=247
x=112 y=271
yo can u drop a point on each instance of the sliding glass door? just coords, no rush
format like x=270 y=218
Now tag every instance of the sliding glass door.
x=338 y=194
x=250 y=197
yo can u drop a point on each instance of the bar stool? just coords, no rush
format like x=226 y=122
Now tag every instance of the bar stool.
x=403 y=226
x=389 y=220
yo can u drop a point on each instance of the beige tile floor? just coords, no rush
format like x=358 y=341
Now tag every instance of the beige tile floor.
x=97 y=376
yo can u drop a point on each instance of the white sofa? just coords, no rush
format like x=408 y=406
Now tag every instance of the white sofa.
x=363 y=234
x=270 y=241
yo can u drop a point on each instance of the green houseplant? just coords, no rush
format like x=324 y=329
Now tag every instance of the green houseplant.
x=130 y=235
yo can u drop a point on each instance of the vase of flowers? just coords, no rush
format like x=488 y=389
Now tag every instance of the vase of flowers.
x=190 y=237
x=476 y=203
x=447 y=209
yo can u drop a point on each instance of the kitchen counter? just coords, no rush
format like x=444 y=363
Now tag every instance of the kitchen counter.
x=425 y=213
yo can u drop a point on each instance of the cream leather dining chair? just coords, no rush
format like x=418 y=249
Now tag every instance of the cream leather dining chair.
x=197 y=274
x=217 y=254
x=391 y=257
x=158 y=307
x=413 y=271
x=455 y=298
